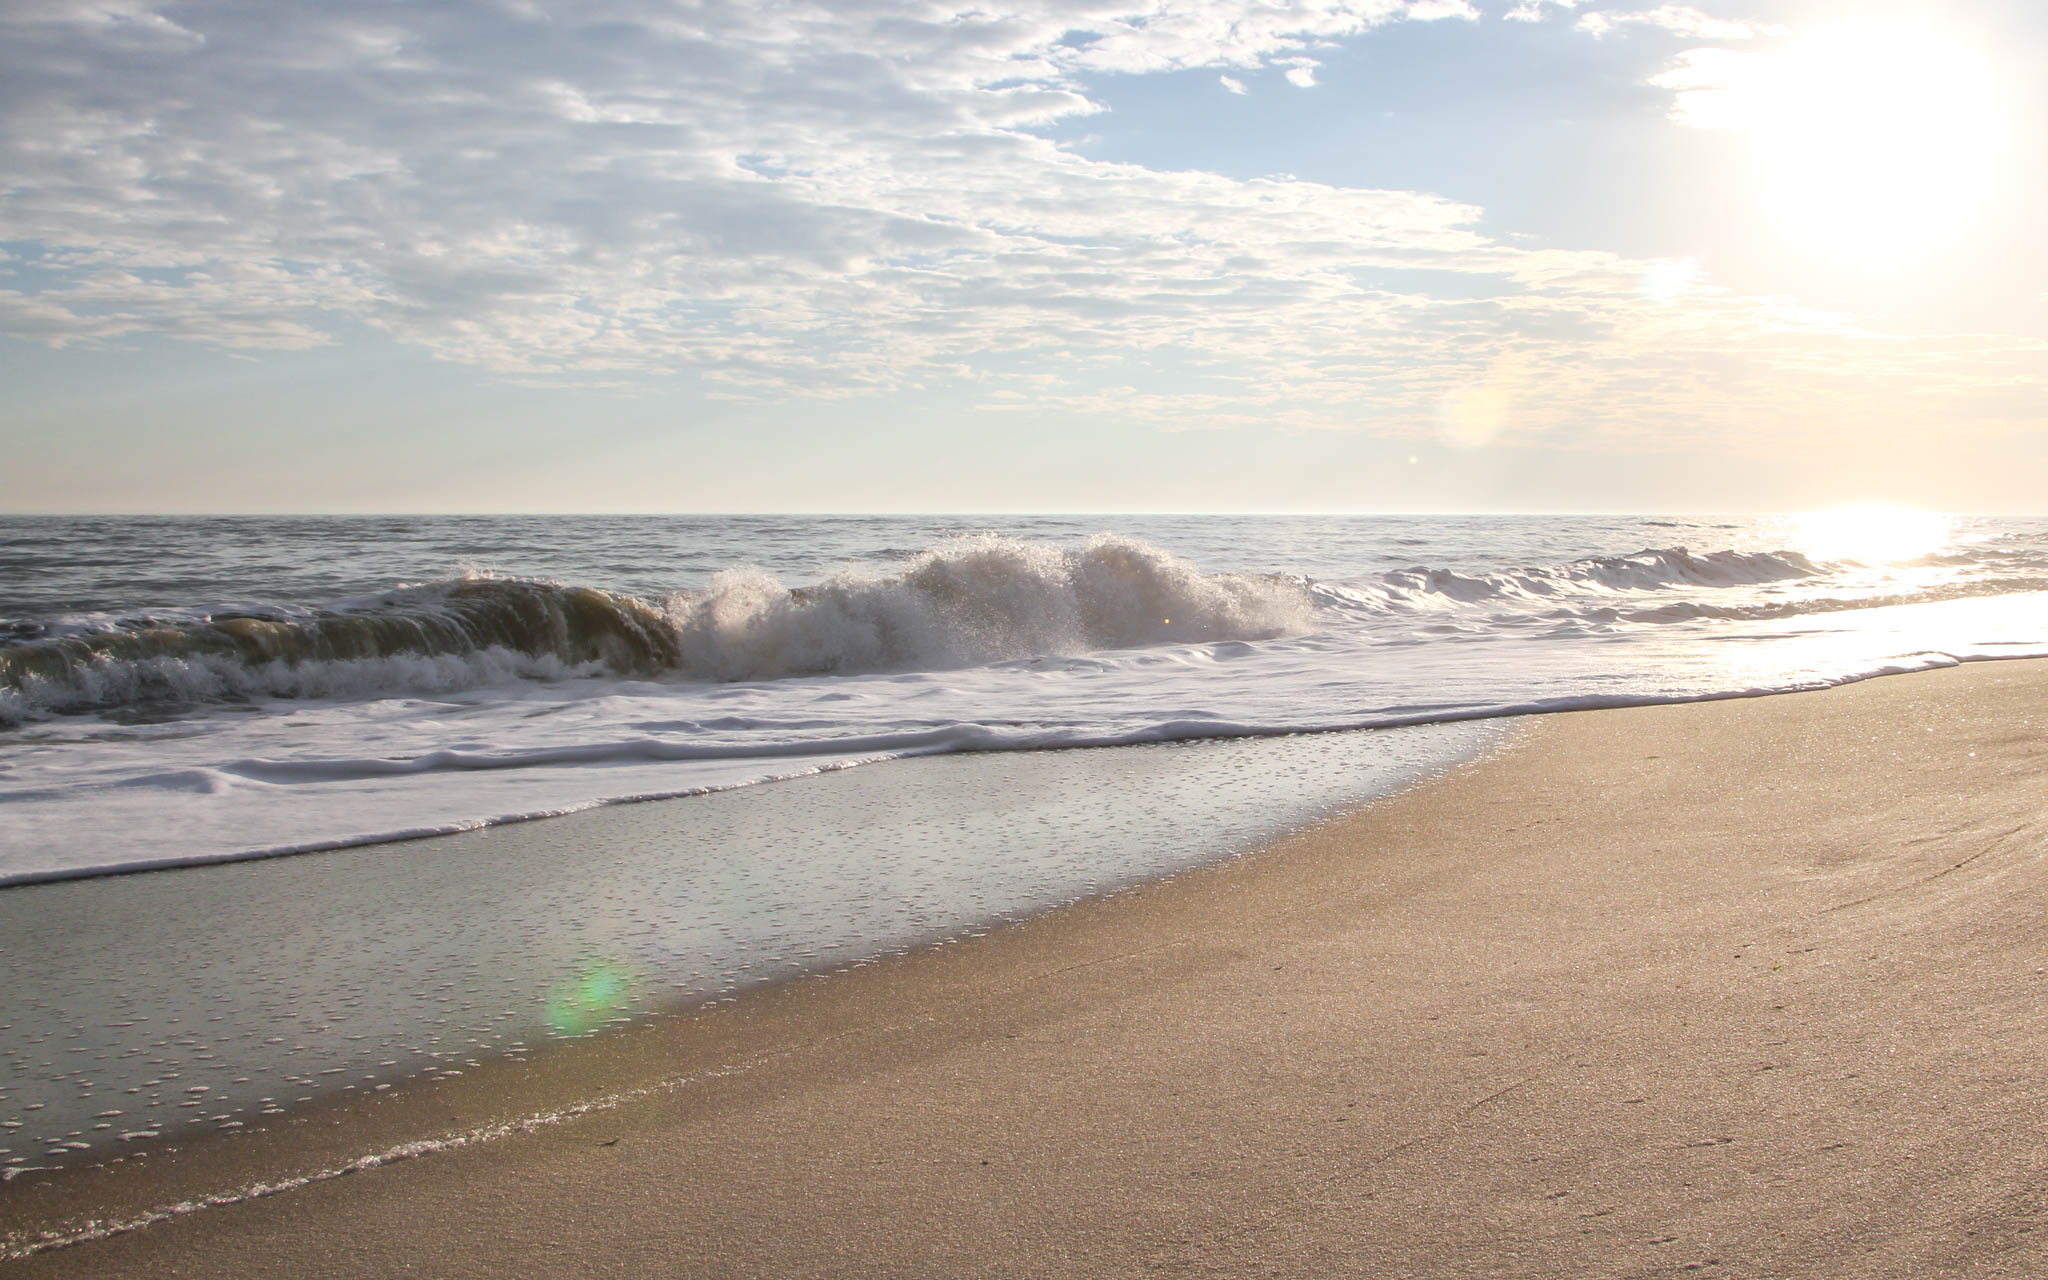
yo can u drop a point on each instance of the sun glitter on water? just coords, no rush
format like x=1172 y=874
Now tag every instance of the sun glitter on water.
x=1870 y=535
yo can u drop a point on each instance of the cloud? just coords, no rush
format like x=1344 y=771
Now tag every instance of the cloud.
x=1233 y=84
x=769 y=194
x=1302 y=76
x=1537 y=10
x=1719 y=88
x=1436 y=10
x=843 y=198
x=1679 y=19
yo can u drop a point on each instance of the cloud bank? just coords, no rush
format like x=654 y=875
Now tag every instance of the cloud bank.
x=826 y=198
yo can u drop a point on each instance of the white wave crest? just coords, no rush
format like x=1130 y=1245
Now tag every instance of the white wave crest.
x=974 y=601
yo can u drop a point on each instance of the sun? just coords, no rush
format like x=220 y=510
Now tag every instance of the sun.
x=1877 y=138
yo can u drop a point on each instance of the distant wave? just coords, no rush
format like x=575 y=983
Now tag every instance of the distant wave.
x=1692 y=610
x=1602 y=577
x=1651 y=569
x=962 y=603
x=1638 y=589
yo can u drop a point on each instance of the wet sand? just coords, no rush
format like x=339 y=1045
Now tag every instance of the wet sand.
x=1752 y=988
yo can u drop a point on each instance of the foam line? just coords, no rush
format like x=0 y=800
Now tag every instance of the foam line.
x=16 y=1247
x=979 y=738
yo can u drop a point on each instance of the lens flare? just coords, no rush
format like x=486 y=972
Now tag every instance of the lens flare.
x=578 y=1004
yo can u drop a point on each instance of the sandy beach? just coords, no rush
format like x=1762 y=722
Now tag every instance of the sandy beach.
x=1399 y=639
x=1742 y=988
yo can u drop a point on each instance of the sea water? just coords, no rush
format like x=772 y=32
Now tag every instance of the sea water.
x=186 y=691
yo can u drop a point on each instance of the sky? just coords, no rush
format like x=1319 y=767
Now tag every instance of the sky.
x=1023 y=255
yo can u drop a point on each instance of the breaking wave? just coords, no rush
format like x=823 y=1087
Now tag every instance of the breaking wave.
x=964 y=603
x=975 y=601
x=435 y=637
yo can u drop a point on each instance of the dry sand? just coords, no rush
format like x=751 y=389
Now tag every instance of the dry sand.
x=1753 y=988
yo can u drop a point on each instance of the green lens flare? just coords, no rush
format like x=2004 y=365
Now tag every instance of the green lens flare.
x=577 y=1004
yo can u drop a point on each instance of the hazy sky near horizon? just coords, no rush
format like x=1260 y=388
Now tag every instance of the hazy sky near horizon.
x=1022 y=255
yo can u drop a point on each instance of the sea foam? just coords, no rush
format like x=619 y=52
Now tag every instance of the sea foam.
x=974 y=601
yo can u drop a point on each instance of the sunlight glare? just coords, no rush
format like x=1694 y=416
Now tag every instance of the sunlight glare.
x=1870 y=535
x=1874 y=138
x=1666 y=279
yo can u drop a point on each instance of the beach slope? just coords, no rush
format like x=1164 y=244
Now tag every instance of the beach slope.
x=1743 y=988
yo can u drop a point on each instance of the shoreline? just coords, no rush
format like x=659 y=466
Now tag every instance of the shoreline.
x=850 y=1093
x=276 y=986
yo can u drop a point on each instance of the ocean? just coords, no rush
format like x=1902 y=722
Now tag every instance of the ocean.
x=876 y=717
x=180 y=690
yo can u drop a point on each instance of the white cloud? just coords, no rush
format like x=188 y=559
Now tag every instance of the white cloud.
x=1679 y=19
x=1436 y=10
x=1233 y=84
x=1537 y=10
x=1718 y=88
x=839 y=198
x=1302 y=76
x=1138 y=36
x=834 y=196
